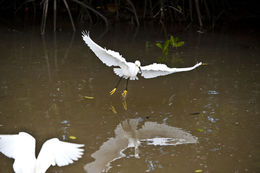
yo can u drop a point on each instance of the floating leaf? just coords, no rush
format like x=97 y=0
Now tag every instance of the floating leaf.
x=72 y=137
x=87 y=97
x=198 y=170
x=200 y=130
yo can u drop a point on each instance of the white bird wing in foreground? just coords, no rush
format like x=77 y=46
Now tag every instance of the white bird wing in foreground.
x=56 y=152
x=18 y=146
x=108 y=57
x=154 y=70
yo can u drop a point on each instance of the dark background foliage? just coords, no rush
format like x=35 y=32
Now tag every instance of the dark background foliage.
x=201 y=13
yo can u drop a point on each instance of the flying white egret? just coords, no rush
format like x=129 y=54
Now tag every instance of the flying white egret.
x=21 y=147
x=129 y=70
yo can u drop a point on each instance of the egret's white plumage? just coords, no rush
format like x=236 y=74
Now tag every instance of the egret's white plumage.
x=129 y=70
x=154 y=70
x=21 y=147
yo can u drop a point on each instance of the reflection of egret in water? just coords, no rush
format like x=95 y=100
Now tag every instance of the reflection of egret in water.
x=124 y=105
x=127 y=135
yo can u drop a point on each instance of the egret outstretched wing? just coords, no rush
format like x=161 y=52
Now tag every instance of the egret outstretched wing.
x=154 y=70
x=18 y=146
x=56 y=152
x=108 y=57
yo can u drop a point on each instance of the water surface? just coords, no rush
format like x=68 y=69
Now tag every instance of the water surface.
x=43 y=79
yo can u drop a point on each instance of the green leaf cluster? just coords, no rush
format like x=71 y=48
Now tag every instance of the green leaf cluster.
x=172 y=42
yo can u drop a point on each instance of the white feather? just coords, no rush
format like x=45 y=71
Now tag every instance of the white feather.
x=155 y=70
x=14 y=145
x=129 y=70
x=21 y=148
x=108 y=57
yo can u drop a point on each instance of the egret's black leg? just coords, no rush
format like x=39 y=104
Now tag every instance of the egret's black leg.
x=118 y=82
x=114 y=90
x=125 y=91
x=126 y=84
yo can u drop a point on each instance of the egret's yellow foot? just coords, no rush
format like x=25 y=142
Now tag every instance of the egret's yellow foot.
x=124 y=93
x=112 y=91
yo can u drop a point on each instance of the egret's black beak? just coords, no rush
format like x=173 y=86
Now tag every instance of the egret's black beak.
x=140 y=70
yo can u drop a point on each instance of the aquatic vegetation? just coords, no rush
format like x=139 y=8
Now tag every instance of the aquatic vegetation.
x=45 y=11
x=173 y=42
x=162 y=11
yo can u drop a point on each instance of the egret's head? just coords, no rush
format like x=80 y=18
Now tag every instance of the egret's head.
x=138 y=63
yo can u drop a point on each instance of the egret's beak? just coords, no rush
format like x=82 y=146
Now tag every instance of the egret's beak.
x=140 y=70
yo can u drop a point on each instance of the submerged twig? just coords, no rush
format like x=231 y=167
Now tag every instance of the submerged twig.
x=17 y=9
x=198 y=12
x=71 y=19
x=54 y=15
x=176 y=9
x=190 y=9
x=44 y=16
x=134 y=11
x=45 y=12
x=92 y=9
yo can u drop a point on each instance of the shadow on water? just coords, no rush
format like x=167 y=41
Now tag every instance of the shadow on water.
x=56 y=87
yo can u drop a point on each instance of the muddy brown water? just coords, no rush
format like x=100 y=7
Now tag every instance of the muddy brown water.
x=43 y=79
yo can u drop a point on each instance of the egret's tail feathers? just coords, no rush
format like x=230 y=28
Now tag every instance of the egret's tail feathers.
x=133 y=78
